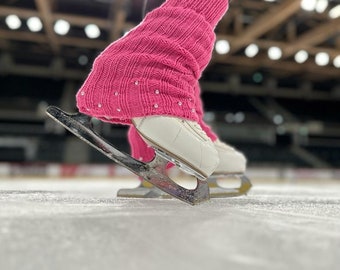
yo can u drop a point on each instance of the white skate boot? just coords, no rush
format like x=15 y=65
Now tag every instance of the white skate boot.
x=180 y=141
x=231 y=160
x=171 y=137
x=232 y=166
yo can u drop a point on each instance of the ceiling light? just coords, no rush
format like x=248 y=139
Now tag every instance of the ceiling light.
x=13 y=22
x=252 y=50
x=336 y=61
x=301 y=56
x=229 y=117
x=34 y=24
x=270 y=0
x=222 y=47
x=274 y=53
x=83 y=60
x=334 y=12
x=209 y=116
x=61 y=27
x=92 y=31
x=322 y=59
x=308 y=5
x=278 y=119
x=258 y=77
x=239 y=117
x=321 y=6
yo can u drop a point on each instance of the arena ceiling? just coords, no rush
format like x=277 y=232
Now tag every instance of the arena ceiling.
x=282 y=24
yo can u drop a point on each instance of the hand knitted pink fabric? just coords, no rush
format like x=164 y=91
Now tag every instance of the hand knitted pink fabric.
x=155 y=68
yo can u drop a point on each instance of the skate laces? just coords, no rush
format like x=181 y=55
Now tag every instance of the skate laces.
x=197 y=128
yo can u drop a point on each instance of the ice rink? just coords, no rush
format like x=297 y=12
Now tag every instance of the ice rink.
x=81 y=224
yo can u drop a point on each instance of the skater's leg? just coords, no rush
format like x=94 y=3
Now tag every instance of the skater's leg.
x=138 y=147
x=150 y=72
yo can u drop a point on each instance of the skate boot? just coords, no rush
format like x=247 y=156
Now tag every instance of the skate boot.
x=231 y=160
x=181 y=142
x=154 y=171
x=232 y=166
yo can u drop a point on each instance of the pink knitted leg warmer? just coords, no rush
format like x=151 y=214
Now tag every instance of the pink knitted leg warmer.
x=155 y=68
x=140 y=150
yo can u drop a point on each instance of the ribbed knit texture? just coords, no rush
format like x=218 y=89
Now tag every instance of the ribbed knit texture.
x=155 y=68
x=141 y=151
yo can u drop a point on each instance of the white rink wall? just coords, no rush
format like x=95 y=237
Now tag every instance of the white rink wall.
x=54 y=170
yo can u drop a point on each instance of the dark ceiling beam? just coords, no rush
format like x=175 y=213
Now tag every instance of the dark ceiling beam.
x=77 y=20
x=266 y=44
x=271 y=19
x=23 y=36
x=56 y=71
x=80 y=42
x=285 y=66
x=118 y=20
x=41 y=38
x=4 y=44
x=21 y=12
x=313 y=37
x=265 y=91
x=226 y=20
x=44 y=8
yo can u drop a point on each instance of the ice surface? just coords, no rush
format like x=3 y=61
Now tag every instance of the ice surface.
x=46 y=224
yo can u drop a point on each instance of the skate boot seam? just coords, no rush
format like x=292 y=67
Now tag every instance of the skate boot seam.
x=176 y=137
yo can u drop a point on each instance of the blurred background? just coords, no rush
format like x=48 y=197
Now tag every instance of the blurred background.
x=272 y=88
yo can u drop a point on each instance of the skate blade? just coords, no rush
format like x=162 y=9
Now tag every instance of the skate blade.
x=218 y=191
x=153 y=172
x=146 y=190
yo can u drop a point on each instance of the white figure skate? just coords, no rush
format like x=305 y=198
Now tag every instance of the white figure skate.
x=156 y=182
x=231 y=167
x=153 y=172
